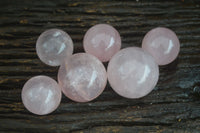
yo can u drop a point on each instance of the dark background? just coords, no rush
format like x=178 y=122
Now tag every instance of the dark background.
x=173 y=106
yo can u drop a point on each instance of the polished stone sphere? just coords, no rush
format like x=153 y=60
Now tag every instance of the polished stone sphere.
x=54 y=46
x=41 y=95
x=82 y=77
x=102 y=41
x=132 y=72
x=162 y=44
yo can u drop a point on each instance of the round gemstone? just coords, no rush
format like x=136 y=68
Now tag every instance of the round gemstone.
x=162 y=44
x=102 y=41
x=41 y=95
x=54 y=46
x=132 y=72
x=82 y=77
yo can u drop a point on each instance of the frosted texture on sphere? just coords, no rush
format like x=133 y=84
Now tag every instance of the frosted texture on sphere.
x=82 y=78
x=54 y=46
x=102 y=41
x=162 y=44
x=132 y=72
x=41 y=95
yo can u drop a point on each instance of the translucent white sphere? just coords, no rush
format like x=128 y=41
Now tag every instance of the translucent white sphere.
x=54 y=46
x=102 y=41
x=82 y=78
x=41 y=95
x=163 y=44
x=132 y=72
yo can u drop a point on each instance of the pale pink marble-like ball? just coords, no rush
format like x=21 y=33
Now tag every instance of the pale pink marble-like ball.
x=41 y=95
x=82 y=78
x=162 y=44
x=54 y=46
x=132 y=72
x=102 y=41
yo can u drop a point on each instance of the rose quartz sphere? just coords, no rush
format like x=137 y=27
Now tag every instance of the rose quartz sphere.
x=132 y=72
x=54 y=46
x=162 y=44
x=41 y=95
x=82 y=78
x=102 y=41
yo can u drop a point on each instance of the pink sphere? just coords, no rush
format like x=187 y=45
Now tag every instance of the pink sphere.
x=82 y=78
x=162 y=44
x=41 y=95
x=102 y=41
x=54 y=46
x=132 y=72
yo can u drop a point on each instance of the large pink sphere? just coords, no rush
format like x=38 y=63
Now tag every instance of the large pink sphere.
x=41 y=95
x=102 y=41
x=82 y=78
x=162 y=44
x=132 y=72
x=54 y=46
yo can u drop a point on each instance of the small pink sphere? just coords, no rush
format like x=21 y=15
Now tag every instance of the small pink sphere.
x=54 y=46
x=162 y=44
x=41 y=95
x=132 y=72
x=82 y=78
x=102 y=41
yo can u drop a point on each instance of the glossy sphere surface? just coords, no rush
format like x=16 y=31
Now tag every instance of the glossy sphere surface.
x=82 y=78
x=162 y=44
x=41 y=95
x=54 y=46
x=132 y=72
x=102 y=41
